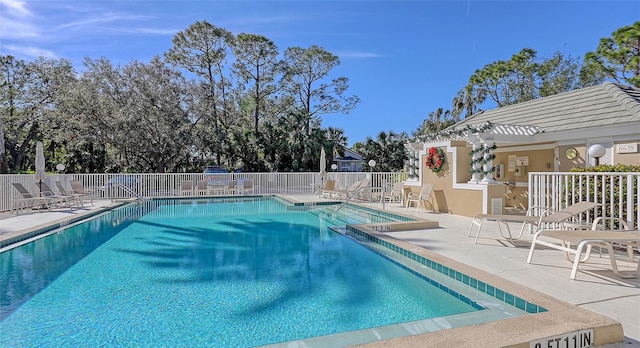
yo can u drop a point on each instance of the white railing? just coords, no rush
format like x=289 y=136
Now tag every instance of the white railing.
x=619 y=193
x=122 y=186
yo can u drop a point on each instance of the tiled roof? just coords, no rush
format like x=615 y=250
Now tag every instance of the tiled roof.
x=603 y=105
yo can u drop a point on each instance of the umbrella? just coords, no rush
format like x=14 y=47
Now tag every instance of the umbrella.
x=323 y=164
x=40 y=172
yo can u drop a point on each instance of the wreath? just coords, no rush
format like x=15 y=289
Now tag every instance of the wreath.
x=436 y=159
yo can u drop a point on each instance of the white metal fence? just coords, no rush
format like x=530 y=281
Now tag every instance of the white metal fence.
x=618 y=193
x=120 y=186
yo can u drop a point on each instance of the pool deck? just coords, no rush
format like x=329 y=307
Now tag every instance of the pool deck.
x=595 y=289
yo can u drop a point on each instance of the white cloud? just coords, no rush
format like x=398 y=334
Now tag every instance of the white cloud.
x=12 y=29
x=98 y=20
x=26 y=51
x=360 y=55
x=15 y=7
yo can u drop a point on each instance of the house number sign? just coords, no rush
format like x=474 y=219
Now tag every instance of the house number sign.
x=627 y=148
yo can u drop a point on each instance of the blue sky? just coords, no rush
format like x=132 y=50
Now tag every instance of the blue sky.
x=403 y=59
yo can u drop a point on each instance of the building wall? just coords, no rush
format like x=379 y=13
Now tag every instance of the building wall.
x=627 y=152
x=449 y=200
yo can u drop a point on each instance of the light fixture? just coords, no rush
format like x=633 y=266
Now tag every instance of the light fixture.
x=334 y=167
x=60 y=167
x=596 y=151
x=372 y=164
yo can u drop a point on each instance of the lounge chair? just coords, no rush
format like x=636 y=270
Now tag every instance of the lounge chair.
x=47 y=192
x=247 y=186
x=584 y=240
x=329 y=189
x=548 y=216
x=26 y=200
x=75 y=196
x=346 y=193
x=186 y=188
x=202 y=188
x=393 y=195
x=77 y=188
x=232 y=187
x=425 y=195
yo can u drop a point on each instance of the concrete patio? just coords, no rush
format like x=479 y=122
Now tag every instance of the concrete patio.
x=595 y=288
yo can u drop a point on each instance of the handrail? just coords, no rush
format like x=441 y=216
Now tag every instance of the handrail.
x=353 y=195
x=129 y=191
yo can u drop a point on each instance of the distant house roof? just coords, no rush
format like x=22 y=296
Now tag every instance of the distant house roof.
x=603 y=110
x=349 y=155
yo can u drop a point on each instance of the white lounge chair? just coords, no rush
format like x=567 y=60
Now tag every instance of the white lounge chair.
x=186 y=188
x=75 y=196
x=202 y=188
x=27 y=200
x=47 y=192
x=548 y=216
x=247 y=187
x=583 y=240
x=232 y=187
x=425 y=195
x=77 y=188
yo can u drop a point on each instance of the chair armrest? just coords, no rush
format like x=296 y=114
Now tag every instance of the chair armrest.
x=602 y=219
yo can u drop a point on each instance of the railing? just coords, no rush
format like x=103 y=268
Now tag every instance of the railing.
x=121 y=186
x=355 y=193
x=619 y=193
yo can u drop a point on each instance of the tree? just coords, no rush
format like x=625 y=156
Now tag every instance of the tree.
x=618 y=57
x=305 y=70
x=30 y=91
x=437 y=121
x=202 y=49
x=387 y=149
x=256 y=65
x=524 y=77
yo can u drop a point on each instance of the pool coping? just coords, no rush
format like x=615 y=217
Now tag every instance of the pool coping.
x=560 y=318
x=14 y=239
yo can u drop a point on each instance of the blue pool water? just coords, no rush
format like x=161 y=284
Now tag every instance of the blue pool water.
x=205 y=273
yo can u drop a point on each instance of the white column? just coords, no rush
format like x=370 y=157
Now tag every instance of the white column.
x=488 y=164
x=475 y=177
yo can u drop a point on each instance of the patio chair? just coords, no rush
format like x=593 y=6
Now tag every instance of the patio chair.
x=186 y=188
x=394 y=194
x=548 y=216
x=201 y=188
x=75 y=196
x=345 y=193
x=47 y=192
x=232 y=187
x=584 y=240
x=329 y=189
x=77 y=188
x=26 y=200
x=425 y=195
x=247 y=186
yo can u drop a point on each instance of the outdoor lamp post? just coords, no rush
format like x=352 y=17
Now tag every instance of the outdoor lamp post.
x=596 y=151
x=334 y=167
x=372 y=164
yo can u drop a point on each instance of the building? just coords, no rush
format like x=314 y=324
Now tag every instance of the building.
x=556 y=133
x=350 y=162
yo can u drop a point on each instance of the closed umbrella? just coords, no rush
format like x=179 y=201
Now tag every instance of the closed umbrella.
x=323 y=164
x=40 y=172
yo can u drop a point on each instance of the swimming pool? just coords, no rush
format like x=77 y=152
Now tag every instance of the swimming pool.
x=225 y=272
